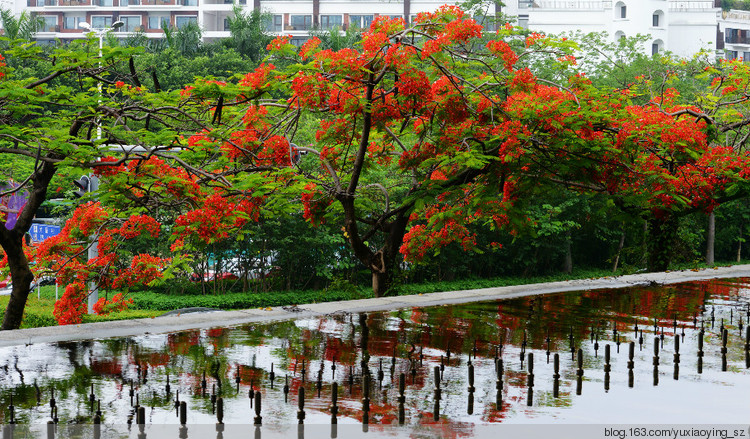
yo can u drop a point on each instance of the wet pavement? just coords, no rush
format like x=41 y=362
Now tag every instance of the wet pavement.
x=172 y=323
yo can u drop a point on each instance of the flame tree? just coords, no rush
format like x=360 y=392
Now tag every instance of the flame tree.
x=422 y=131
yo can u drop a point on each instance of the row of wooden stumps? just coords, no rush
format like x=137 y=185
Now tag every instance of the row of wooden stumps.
x=218 y=403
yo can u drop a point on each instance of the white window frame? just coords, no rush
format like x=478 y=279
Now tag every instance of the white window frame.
x=177 y=18
x=126 y=18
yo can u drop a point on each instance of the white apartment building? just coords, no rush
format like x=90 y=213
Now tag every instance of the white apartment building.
x=295 y=17
x=679 y=26
x=735 y=26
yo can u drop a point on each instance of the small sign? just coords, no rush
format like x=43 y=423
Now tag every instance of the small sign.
x=40 y=232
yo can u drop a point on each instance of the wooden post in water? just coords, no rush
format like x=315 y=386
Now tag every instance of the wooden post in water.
x=656 y=361
x=747 y=346
x=334 y=402
x=676 y=374
x=401 y=398
x=556 y=376
x=724 y=339
x=700 y=350
x=301 y=405
x=631 y=363
x=258 y=418
x=607 y=367
x=579 y=373
x=183 y=413
x=530 y=380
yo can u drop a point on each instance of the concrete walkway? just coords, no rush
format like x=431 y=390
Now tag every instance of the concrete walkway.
x=124 y=328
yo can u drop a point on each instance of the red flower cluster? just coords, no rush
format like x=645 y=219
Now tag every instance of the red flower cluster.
x=69 y=309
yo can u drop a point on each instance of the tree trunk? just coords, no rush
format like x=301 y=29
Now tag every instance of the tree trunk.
x=619 y=250
x=710 y=239
x=12 y=243
x=644 y=245
x=21 y=275
x=662 y=236
x=383 y=263
x=382 y=282
x=568 y=266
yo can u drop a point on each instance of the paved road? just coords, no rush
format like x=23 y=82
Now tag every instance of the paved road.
x=186 y=321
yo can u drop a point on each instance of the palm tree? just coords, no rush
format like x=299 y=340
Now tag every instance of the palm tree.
x=248 y=33
x=22 y=27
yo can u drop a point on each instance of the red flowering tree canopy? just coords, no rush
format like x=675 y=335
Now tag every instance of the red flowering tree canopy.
x=423 y=130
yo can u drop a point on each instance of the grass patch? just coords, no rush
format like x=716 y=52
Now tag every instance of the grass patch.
x=38 y=310
x=147 y=304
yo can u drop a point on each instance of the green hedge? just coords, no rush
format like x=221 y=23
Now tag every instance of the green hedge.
x=163 y=302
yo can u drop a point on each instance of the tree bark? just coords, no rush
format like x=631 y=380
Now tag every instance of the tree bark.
x=662 y=236
x=619 y=250
x=710 y=239
x=383 y=263
x=12 y=243
x=568 y=266
x=21 y=275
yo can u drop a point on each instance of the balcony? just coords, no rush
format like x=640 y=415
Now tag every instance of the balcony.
x=736 y=39
x=691 y=5
x=298 y=27
x=157 y=2
x=573 y=4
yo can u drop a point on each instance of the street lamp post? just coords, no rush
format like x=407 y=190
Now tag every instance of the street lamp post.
x=93 y=182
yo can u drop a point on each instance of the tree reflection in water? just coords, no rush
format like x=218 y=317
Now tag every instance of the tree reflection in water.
x=236 y=363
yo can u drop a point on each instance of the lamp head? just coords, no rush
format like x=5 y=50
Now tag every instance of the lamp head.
x=84 y=25
x=117 y=24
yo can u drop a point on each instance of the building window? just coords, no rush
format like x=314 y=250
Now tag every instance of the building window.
x=487 y=22
x=107 y=3
x=132 y=23
x=656 y=47
x=275 y=23
x=71 y=22
x=189 y=2
x=298 y=41
x=731 y=54
x=621 y=11
x=155 y=21
x=360 y=21
x=331 y=21
x=49 y=24
x=183 y=20
x=300 y=22
x=101 y=21
x=129 y=2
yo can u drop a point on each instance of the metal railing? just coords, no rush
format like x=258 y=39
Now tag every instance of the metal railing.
x=573 y=4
